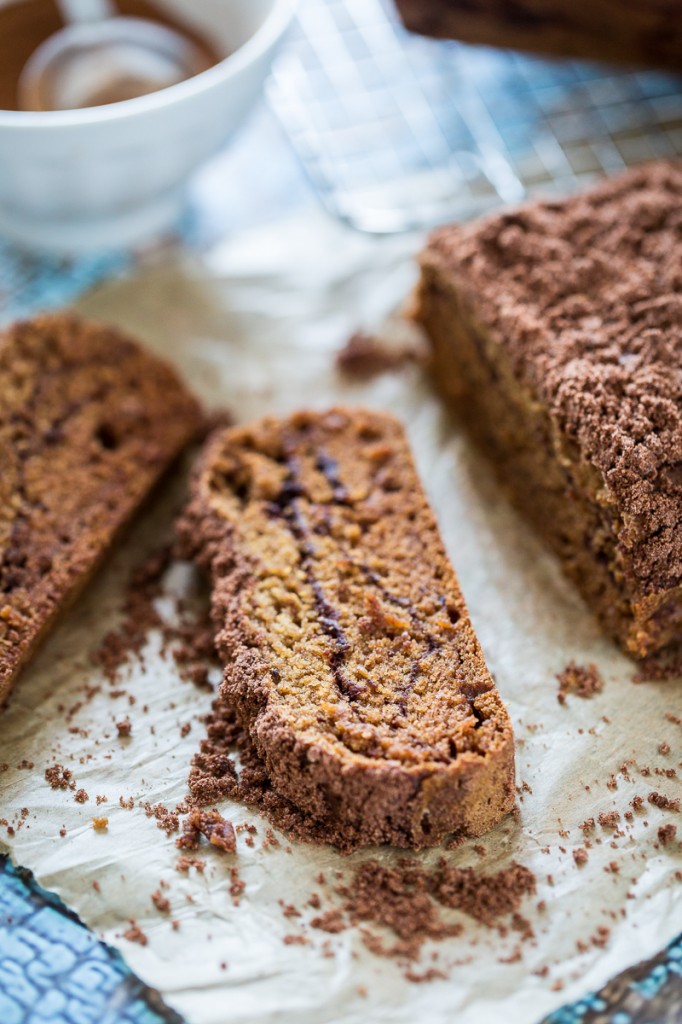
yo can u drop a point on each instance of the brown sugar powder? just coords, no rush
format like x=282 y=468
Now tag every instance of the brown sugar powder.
x=399 y=899
x=189 y=638
x=139 y=616
x=406 y=899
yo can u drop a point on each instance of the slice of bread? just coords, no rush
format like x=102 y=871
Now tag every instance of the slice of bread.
x=88 y=423
x=348 y=650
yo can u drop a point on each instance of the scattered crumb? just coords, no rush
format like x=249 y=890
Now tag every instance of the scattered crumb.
x=580 y=680
x=666 y=834
x=135 y=934
x=664 y=802
x=183 y=864
x=365 y=356
x=161 y=902
x=59 y=777
x=218 y=830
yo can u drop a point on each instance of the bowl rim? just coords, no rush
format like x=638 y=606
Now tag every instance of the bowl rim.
x=264 y=38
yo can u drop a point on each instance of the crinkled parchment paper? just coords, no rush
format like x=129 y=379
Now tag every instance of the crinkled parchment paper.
x=254 y=326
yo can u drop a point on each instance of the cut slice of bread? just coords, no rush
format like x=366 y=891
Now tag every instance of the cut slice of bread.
x=88 y=423
x=348 y=650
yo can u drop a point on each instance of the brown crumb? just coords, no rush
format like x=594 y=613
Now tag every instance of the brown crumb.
x=664 y=802
x=601 y=936
x=59 y=777
x=135 y=934
x=183 y=864
x=581 y=680
x=580 y=856
x=189 y=638
x=430 y=974
x=139 y=617
x=364 y=356
x=168 y=821
x=124 y=728
x=80 y=796
x=609 y=819
x=237 y=885
x=666 y=834
x=405 y=900
x=126 y=803
x=331 y=921
x=161 y=902
x=218 y=830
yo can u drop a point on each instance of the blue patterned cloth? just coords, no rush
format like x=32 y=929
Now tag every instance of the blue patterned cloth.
x=649 y=993
x=54 y=971
x=28 y=284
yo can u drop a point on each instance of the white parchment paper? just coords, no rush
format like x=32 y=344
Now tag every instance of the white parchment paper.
x=254 y=326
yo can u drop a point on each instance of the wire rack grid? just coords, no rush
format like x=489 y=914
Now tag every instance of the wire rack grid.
x=396 y=131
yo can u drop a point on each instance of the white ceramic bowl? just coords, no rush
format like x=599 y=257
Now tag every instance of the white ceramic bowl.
x=80 y=180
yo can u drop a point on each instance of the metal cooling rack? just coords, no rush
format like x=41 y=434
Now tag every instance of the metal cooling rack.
x=397 y=132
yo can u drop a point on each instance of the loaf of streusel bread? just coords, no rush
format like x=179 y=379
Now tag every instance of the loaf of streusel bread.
x=557 y=340
x=648 y=32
